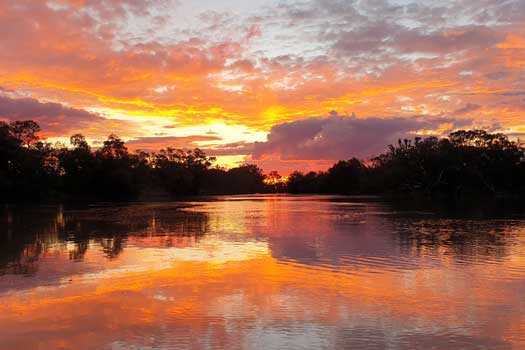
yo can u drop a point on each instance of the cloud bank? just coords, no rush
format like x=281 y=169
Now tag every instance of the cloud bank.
x=339 y=137
x=142 y=65
x=52 y=117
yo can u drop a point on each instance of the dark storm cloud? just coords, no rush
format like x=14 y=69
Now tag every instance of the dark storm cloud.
x=336 y=137
x=54 y=117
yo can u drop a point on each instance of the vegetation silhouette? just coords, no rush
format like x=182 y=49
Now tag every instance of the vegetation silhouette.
x=467 y=163
x=27 y=233
x=472 y=162
x=35 y=170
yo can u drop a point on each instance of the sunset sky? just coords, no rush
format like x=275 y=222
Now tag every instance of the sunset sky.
x=283 y=84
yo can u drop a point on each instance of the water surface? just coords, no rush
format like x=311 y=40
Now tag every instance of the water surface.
x=260 y=272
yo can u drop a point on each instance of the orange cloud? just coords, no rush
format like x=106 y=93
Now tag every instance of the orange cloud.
x=259 y=71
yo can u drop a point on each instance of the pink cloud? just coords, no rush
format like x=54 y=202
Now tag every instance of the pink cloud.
x=337 y=137
x=155 y=143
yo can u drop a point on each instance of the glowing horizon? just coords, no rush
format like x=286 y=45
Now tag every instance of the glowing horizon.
x=266 y=82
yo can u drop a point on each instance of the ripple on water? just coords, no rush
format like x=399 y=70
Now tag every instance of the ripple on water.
x=261 y=272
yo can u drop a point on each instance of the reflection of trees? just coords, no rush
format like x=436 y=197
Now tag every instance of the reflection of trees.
x=77 y=254
x=457 y=238
x=336 y=235
x=370 y=233
x=28 y=234
x=460 y=230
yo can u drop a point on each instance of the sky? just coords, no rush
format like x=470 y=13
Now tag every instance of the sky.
x=286 y=85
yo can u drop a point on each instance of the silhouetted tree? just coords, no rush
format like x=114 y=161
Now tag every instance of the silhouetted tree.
x=79 y=166
x=311 y=182
x=113 y=148
x=471 y=161
x=78 y=141
x=247 y=178
x=25 y=131
x=181 y=172
x=274 y=182
x=345 y=177
x=468 y=162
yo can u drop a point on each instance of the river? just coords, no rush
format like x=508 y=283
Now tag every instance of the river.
x=260 y=272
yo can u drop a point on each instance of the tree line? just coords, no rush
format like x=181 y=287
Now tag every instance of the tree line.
x=465 y=163
x=33 y=169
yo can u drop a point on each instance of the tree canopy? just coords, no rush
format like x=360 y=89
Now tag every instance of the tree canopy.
x=35 y=170
x=467 y=162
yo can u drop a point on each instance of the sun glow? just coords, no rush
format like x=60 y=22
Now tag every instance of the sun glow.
x=139 y=77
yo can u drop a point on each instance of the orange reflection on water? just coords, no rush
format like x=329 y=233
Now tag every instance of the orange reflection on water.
x=268 y=275
x=194 y=300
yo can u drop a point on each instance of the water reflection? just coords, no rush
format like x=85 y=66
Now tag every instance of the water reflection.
x=268 y=272
x=30 y=233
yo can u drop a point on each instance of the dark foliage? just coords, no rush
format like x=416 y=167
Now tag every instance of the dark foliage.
x=472 y=162
x=33 y=170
